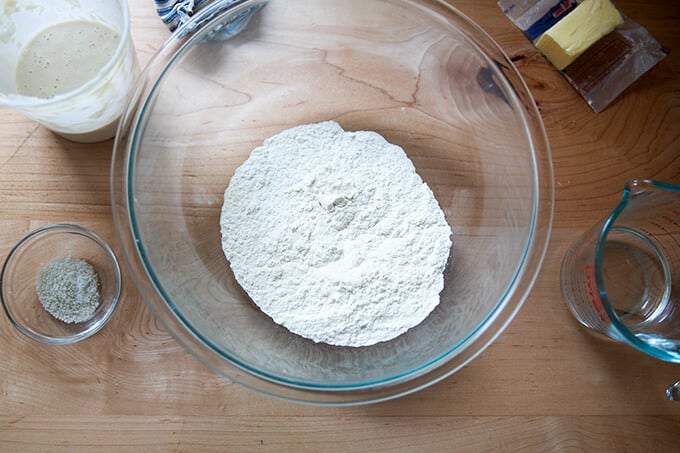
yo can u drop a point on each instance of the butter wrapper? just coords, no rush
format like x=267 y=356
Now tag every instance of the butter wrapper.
x=608 y=66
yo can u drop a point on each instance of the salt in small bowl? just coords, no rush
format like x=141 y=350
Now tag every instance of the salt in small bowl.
x=18 y=282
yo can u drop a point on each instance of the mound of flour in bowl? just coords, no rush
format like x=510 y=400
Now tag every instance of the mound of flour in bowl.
x=335 y=236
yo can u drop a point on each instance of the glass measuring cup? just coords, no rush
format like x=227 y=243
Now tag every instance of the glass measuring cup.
x=621 y=278
x=84 y=110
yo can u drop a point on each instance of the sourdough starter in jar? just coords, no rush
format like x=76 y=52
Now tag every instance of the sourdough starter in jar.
x=64 y=57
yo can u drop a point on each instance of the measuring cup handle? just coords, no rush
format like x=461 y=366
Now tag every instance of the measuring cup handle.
x=673 y=392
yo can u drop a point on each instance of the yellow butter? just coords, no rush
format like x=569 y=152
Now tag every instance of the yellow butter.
x=578 y=30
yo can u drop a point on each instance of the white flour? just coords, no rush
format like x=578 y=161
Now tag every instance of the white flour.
x=335 y=236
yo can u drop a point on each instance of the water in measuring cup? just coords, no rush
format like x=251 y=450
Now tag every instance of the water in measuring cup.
x=637 y=277
x=636 y=282
x=621 y=278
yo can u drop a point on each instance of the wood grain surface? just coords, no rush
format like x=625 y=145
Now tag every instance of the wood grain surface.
x=545 y=385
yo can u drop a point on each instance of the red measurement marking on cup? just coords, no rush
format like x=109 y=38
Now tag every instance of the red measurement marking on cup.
x=595 y=300
x=666 y=231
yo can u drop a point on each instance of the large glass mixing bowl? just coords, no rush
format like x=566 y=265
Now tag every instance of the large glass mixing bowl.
x=419 y=73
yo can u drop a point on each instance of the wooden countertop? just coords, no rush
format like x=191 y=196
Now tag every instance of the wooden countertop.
x=545 y=384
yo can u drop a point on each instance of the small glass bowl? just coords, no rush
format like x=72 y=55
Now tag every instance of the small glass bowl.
x=29 y=255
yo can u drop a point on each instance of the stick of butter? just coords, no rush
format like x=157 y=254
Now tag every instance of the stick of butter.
x=578 y=30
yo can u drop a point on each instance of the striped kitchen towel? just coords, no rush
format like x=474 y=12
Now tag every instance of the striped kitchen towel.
x=175 y=13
